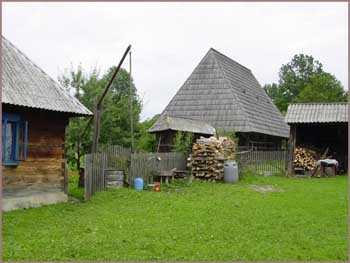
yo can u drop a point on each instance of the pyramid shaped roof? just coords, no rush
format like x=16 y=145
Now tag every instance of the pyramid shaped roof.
x=226 y=95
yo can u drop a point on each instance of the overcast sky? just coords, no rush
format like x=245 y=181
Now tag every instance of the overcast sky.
x=169 y=39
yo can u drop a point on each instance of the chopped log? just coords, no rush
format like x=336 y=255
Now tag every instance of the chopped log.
x=208 y=157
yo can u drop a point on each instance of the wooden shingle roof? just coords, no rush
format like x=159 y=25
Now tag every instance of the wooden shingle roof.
x=226 y=95
x=25 y=84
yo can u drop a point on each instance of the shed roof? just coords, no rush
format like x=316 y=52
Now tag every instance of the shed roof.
x=181 y=124
x=317 y=112
x=25 y=84
x=226 y=95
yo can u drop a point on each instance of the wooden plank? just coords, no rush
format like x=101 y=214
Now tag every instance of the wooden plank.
x=65 y=174
x=97 y=119
x=292 y=141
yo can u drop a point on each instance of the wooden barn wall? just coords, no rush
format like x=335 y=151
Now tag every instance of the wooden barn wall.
x=262 y=141
x=44 y=167
x=323 y=136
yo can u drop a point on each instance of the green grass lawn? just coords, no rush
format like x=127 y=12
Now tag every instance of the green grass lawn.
x=305 y=219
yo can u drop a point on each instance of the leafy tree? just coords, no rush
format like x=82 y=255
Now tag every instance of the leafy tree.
x=322 y=87
x=183 y=141
x=115 y=118
x=73 y=80
x=147 y=141
x=298 y=74
x=294 y=75
x=278 y=96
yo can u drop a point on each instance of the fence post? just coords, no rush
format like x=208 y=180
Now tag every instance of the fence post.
x=86 y=178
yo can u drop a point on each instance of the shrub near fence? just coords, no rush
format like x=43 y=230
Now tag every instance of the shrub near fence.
x=263 y=162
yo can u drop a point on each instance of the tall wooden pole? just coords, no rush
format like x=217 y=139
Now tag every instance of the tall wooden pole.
x=98 y=108
x=97 y=119
x=131 y=105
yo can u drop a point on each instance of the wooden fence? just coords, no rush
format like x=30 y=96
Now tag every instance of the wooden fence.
x=117 y=156
x=144 y=164
x=108 y=157
x=263 y=162
x=133 y=164
x=94 y=180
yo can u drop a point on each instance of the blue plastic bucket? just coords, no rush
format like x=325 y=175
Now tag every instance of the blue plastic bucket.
x=138 y=184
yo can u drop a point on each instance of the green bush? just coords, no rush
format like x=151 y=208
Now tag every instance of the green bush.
x=183 y=142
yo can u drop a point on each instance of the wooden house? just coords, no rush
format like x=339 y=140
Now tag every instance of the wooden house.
x=35 y=113
x=225 y=95
x=321 y=126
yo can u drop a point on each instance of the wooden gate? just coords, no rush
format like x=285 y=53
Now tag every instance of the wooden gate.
x=263 y=162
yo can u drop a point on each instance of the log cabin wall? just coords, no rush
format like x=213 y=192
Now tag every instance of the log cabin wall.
x=44 y=166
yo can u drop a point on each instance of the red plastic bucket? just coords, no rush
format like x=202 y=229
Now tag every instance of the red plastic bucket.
x=157 y=188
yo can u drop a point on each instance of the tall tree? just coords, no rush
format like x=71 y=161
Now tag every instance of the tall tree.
x=294 y=77
x=277 y=94
x=115 y=118
x=322 y=87
x=147 y=141
x=73 y=80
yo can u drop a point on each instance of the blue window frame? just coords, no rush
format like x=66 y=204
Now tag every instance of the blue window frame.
x=14 y=139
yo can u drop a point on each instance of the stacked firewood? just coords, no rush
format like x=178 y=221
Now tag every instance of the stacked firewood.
x=208 y=157
x=305 y=158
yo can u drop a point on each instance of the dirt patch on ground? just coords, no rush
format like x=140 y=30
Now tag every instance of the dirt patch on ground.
x=264 y=189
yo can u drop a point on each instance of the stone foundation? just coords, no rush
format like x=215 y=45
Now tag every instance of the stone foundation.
x=30 y=198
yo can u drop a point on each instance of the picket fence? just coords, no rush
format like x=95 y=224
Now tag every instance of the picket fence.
x=263 y=162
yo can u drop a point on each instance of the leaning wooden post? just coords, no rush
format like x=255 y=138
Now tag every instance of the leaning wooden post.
x=292 y=140
x=97 y=118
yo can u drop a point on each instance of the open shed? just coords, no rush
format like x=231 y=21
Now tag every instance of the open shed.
x=166 y=128
x=320 y=125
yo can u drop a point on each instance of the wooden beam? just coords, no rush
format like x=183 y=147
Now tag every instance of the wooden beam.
x=97 y=119
x=292 y=140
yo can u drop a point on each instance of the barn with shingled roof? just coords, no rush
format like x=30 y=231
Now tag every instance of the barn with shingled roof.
x=225 y=95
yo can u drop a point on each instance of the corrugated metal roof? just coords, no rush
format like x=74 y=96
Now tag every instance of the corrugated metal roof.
x=181 y=124
x=317 y=112
x=226 y=95
x=25 y=84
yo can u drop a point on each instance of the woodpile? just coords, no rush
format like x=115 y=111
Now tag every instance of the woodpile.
x=305 y=158
x=208 y=157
